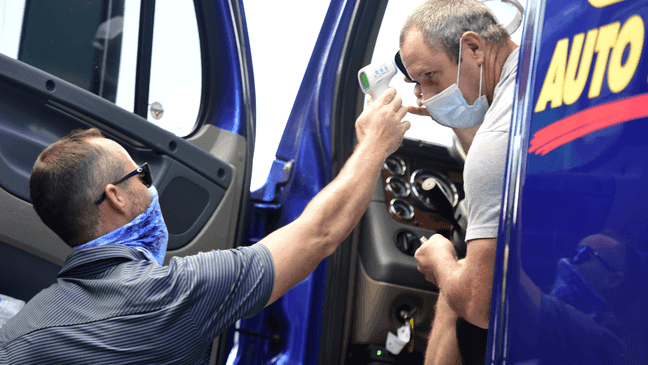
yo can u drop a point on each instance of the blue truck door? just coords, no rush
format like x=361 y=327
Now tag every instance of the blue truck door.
x=316 y=141
x=570 y=283
x=64 y=66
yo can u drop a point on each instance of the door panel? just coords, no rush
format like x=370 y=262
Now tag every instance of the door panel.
x=301 y=169
x=46 y=108
x=576 y=170
x=201 y=179
x=215 y=233
x=378 y=305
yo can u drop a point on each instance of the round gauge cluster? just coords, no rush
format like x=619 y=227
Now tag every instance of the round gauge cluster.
x=424 y=180
x=402 y=209
x=425 y=188
x=399 y=188
x=395 y=166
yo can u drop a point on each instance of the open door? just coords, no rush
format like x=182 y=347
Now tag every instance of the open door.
x=341 y=306
x=575 y=183
x=181 y=101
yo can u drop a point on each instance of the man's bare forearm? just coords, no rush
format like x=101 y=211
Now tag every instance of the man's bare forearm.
x=442 y=348
x=469 y=286
x=325 y=222
x=334 y=212
x=298 y=248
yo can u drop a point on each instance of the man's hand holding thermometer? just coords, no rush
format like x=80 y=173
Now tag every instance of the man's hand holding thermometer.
x=374 y=80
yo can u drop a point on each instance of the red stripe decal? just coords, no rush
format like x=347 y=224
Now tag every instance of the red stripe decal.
x=587 y=121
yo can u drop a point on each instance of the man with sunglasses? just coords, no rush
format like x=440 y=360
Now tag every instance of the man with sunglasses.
x=589 y=291
x=115 y=303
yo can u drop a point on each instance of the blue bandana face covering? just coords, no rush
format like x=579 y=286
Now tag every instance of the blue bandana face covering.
x=146 y=233
x=573 y=289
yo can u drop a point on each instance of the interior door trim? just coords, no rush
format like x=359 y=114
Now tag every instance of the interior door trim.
x=106 y=113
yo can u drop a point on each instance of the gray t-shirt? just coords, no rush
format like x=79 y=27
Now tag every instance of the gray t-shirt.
x=486 y=159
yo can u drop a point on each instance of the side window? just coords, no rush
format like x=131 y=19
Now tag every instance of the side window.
x=277 y=78
x=80 y=43
x=93 y=44
x=387 y=44
x=11 y=19
x=176 y=73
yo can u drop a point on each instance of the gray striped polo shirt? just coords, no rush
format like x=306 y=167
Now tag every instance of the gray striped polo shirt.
x=112 y=306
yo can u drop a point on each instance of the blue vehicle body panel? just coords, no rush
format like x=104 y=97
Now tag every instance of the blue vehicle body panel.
x=576 y=168
x=301 y=169
x=236 y=87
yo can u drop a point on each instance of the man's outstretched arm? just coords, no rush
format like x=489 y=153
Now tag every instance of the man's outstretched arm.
x=330 y=217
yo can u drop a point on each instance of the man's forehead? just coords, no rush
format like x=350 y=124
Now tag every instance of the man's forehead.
x=415 y=48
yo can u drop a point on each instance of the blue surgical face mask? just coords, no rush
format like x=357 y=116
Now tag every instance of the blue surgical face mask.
x=146 y=233
x=450 y=108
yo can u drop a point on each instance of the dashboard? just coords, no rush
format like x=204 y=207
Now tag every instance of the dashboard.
x=422 y=191
x=419 y=194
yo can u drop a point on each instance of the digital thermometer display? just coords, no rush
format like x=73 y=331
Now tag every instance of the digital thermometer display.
x=365 y=82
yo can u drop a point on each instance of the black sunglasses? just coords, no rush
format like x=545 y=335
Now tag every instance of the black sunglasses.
x=585 y=254
x=144 y=173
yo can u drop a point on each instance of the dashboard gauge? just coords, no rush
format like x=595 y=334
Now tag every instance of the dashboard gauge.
x=395 y=166
x=397 y=186
x=402 y=209
x=423 y=180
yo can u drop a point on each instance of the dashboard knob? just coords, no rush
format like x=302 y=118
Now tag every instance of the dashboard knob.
x=407 y=242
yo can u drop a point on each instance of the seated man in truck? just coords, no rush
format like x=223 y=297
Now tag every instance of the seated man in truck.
x=465 y=65
x=114 y=302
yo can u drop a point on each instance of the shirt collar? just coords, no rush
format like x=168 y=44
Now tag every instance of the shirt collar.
x=93 y=254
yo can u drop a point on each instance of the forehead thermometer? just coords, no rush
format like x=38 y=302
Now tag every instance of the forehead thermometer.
x=374 y=78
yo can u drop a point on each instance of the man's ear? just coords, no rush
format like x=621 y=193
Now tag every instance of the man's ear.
x=475 y=45
x=116 y=198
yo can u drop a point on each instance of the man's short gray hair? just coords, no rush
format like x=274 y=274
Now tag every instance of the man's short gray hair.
x=445 y=21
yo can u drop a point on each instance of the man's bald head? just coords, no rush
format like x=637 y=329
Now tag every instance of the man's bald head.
x=67 y=177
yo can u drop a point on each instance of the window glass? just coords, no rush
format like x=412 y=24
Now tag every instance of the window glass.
x=78 y=42
x=126 y=81
x=387 y=43
x=272 y=43
x=82 y=43
x=11 y=18
x=93 y=44
x=176 y=74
